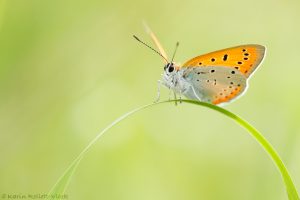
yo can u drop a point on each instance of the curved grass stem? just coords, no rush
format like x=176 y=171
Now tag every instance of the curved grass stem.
x=60 y=186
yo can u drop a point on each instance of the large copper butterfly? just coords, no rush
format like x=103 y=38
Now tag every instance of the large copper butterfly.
x=217 y=77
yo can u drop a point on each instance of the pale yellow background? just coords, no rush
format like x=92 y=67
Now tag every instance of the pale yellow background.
x=69 y=68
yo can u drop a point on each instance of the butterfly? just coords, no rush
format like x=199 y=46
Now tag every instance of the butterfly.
x=217 y=77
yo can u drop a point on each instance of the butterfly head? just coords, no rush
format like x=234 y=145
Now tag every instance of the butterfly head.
x=169 y=68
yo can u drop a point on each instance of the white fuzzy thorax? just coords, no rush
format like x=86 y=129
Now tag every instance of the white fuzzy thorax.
x=176 y=81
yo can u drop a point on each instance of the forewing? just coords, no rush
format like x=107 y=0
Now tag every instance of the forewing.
x=156 y=42
x=244 y=58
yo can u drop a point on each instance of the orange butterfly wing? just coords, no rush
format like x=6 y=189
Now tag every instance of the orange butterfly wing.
x=245 y=58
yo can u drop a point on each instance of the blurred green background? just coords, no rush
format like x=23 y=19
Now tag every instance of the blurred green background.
x=69 y=68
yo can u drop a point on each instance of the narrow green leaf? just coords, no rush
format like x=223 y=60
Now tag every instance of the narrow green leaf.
x=62 y=183
x=60 y=187
x=290 y=187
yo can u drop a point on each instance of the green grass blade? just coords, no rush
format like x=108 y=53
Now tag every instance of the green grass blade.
x=60 y=187
x=62 y=183
x=290 y=187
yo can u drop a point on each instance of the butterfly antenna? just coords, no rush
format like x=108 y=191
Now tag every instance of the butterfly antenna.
x=150 y=48
x=176 y=47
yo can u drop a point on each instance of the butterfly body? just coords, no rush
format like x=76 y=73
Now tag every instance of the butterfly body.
x=209 y=84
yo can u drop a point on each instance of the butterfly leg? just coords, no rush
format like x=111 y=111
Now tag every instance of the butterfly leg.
x=170 y=91
x=195 y=93
x=158 y=91
x=180 y=96
x=175 y=98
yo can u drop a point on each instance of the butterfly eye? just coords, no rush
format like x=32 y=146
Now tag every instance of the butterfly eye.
x=171 y=68
x=167 y=66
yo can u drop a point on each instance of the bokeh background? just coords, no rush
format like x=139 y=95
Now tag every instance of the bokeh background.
x=69 y=68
